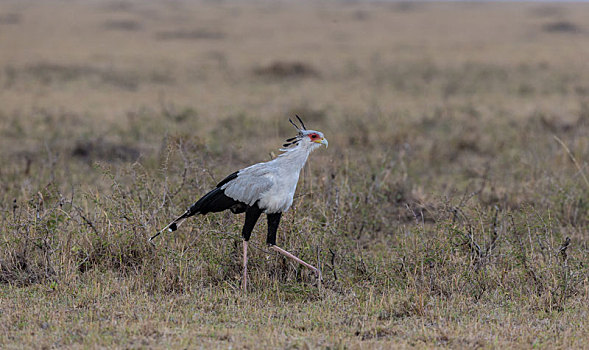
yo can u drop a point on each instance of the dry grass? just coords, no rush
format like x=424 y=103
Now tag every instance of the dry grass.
x=450 y=209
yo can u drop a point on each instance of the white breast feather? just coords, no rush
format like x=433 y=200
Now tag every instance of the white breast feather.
x=272 y=184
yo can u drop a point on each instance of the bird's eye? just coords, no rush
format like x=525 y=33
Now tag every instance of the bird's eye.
x=314 y=136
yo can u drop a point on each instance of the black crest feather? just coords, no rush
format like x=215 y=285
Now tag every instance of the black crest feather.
x=290 y=120
x=296 y=139
x=300 y=121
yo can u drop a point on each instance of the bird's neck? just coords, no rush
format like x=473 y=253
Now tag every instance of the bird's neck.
x=295 y=158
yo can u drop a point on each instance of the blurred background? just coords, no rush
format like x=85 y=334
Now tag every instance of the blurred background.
x=123 y=74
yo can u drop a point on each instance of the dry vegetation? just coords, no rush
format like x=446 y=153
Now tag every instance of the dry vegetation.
x=450 y=210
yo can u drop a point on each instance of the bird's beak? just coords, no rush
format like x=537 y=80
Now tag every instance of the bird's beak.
x=323 y=141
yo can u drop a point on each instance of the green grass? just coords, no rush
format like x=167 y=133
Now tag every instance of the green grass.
x=450 y=209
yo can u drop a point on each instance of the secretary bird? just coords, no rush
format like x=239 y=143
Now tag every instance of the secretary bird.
x=267 y=187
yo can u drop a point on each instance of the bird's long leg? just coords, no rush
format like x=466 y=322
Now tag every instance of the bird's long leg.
x=273 y=221
x=251 y=217
x=244 y=283
x=300 y=261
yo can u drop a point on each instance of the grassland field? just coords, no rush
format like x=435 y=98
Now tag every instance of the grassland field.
x=451 y=209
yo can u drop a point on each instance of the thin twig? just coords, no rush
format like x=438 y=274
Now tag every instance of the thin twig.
x=333 y=264
x=563 y=249
x=573 y=159
x=88 y=222
x=495 y=233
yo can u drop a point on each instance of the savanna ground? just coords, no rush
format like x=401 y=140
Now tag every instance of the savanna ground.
x=450 y=210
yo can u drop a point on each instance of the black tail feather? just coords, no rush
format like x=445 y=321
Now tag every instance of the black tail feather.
x=212 y=202
x=172 y=226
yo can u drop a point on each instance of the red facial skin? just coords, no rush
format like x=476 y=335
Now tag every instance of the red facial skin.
x=314 y=137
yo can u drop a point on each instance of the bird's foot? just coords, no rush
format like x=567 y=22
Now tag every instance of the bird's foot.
x=293 y=257
x=319 y=278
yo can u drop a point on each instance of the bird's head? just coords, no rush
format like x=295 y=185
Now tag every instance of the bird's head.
x=314 y=138
x=306 y=138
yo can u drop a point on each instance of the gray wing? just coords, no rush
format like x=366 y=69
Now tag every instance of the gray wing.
x=250 y=184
